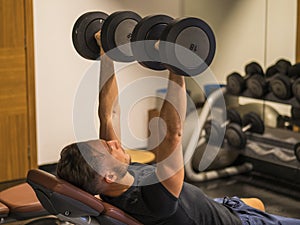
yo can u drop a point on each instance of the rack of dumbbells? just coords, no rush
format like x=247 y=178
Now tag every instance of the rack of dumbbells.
x=272 y=150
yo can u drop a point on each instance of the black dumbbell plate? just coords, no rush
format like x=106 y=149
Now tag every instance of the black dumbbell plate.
x=257 y=124
x=187 y=46
x=235 y=83
x=257 y=85
x=253 y=68
x=83 y=33
x=144 y=37
x=233 y=116
x=281 y=86
x=296 y=89
x=116 y=35
x=235 y=136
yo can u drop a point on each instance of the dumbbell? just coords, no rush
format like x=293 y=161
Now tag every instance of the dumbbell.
x=236 y=83
x=116 y=30
x=235 y=134
x=296 y=89
x=213 y=129
x=295 y=113
x=185 y=45
x=259 y=85
x=282 y=82
x=295 y=72
x=297 y=151
x=116 y=33
x=144 y=40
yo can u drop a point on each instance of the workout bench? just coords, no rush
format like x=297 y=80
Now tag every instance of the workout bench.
x=72 y=204
x=19 y=203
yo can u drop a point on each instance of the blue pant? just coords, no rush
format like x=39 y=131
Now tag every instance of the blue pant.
x=252 y=216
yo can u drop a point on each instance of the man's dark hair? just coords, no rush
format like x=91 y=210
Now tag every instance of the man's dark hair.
x=78 y=165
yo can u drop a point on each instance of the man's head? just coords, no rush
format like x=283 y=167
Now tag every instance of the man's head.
x=92 y=165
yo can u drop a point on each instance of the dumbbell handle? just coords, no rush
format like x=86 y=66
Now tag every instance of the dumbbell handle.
x=156 y=45
x=247 y=127
x=225 y=123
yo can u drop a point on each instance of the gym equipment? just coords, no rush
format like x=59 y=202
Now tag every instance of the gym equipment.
x=72 y=204
x=295 y=113
x=19 y=203
x=144 y=37
x=258 y=85
x=83 y=33
x=213 y=128
x=296 y=89
x=281 y=84
x=295 y=73
x=116 y=32
x=264 y=110
x=186 y=45
x=235 y=134
x=297 y=151
x=213 y=132
x=236 y=84
x=193 y=141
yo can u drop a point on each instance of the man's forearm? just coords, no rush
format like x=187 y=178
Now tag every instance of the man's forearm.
x=173 y=111
x=170 y=166
x=109 y=110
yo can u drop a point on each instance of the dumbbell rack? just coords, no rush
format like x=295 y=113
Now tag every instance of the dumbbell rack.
x=272 y=98
x=293 y=101
x=274 y=152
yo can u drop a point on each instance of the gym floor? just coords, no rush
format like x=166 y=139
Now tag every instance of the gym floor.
x=283 y=204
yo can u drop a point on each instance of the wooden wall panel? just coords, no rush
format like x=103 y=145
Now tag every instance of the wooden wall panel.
x=17 y=100
x=298 y=33
x=13 y=154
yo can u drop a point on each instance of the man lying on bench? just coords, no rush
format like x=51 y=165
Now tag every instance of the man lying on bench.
x=151 y=194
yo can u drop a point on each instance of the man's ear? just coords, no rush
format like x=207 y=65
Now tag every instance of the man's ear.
x=110 y=177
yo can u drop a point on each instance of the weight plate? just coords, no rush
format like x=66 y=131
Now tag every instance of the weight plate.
x=187 y=46
x=253 y=68
x=281 y=86
x=283 y=66
x=296 y=89
x=235 y=136
x=297 y=151
x=83 y=33
x=234 y=117
x=235 y=83
x=213 y=131
x=294 y=71
x=116 y=34
x=295 y=112
x=257 y=124
x=272 y=70
x=143 y=40
x=257 y=86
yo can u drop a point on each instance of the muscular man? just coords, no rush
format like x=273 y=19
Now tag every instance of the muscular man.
x=151 y=194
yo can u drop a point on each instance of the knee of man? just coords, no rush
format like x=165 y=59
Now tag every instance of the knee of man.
x=255 y=203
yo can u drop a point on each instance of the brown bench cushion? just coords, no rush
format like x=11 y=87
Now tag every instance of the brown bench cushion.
x=22 y=201
x=3 y=210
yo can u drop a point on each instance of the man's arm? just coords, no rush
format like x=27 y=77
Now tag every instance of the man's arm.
x=170 y=166
x=109 y=109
